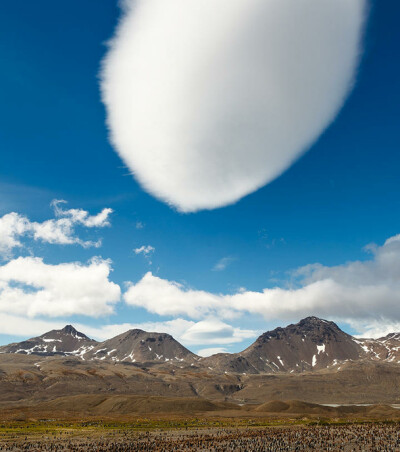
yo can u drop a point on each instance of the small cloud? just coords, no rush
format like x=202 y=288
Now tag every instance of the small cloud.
x=146 y=250
x=211 y=351
x=139 y=225
x=80 y=216
x=223 y=263
x=213 y=331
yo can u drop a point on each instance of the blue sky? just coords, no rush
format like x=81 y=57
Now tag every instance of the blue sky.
x=338 y=197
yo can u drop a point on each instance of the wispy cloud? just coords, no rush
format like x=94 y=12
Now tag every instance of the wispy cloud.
x=80 y=216
x=231 y=109
x=223 y=263
x=147 y=251
x=267 y=241
x=60 y=230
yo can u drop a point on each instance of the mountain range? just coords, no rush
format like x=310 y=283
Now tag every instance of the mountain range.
x=312 y=344
x=312 y=360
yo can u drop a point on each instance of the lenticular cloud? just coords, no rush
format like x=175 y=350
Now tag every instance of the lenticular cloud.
x=208 y=100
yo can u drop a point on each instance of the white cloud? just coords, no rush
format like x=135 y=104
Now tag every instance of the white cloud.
x=175 y=327
x=61 y=230
x=365 y=294
x=223 y=263
x=12 y=227
x=211 y=351
x=26 y=327
x=163 y=297
x=146 y=250
x=209 y=100
x=213 y=331
x=80 y=216
x=374 y=328
x=30 y=287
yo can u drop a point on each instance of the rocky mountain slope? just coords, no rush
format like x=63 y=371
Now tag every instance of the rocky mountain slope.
x=141 y=346
x=67 y=341
x=310 y=345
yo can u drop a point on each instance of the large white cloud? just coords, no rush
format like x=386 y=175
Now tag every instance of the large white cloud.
x=366 y=294
x=29 y=286
x=208 y=100
x=163 y=297
x=59 y=230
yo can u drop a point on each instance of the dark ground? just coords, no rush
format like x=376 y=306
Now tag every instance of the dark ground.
x=347 y=437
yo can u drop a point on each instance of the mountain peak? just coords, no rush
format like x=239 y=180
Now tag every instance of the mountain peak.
x=144 y=335
x=313 y=319
x=313 y=322
x=69 y=329
x=312 y=327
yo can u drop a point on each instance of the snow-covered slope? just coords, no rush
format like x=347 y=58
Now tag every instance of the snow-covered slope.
x=383 y=349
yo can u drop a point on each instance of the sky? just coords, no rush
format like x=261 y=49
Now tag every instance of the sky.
x=167 y=194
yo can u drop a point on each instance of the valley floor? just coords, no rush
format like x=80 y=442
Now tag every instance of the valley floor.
x=346 y=437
